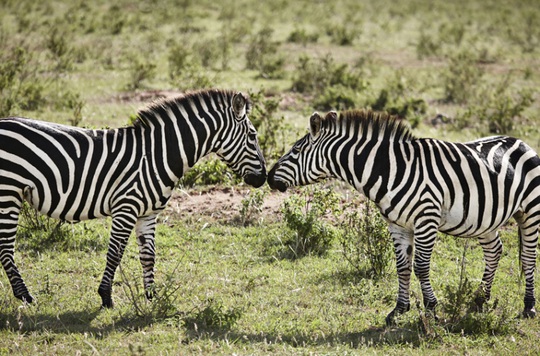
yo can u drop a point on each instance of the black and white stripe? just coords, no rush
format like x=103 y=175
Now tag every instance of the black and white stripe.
x=128 y=173
x=422 y=186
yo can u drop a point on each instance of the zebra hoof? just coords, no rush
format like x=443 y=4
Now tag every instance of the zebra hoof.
x=106 y=300
x=529 y=313
x=400 y=308
x=27 y=298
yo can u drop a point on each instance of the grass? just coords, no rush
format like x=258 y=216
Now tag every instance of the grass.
x=226 y=288
x=231 y=296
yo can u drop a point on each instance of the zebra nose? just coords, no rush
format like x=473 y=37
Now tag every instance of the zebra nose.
x=275 y=184
x=255 y=180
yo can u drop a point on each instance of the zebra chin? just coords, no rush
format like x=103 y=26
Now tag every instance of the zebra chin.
x=254 y=179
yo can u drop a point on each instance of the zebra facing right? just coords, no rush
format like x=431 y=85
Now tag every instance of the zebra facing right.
x=128 y=173
x=422 y=186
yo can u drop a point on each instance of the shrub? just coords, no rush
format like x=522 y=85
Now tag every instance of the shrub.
x=342 y=35
x=319 y=76
x=304 y=216
x=185 y=70
x=496 y=108
x=461 y=78
x=208 y=172
x=212 y=315
x=252 y=205
x=140 y=71
x=398 y=98
x=301 y=36
x=270 y=128
x=366 y=238
x=262 y=55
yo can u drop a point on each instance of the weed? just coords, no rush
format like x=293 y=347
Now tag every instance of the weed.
x=270 y=128
x=398 y=98
x=185 y=71
x=461 y=78
x=39 y=232
x=212 y=315
x=262 y=55
x=497 y=108
x=342 y=35
x=304 y=216
x=427 y=46
x=366 y=238
x=208 y=172
x=301 y=36
x=319 y=76
x=164 y=296
x=252 y=205
x=140 y=71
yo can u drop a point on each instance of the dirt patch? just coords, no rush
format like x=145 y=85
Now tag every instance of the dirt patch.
x=220 y=203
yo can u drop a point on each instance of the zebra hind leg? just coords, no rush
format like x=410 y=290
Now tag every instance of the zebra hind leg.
x=493 y=248
x=122 y=224
x=9 y=216
x=145 y=230
x=528 y=236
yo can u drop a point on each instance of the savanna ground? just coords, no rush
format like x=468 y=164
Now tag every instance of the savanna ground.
x=243 y=271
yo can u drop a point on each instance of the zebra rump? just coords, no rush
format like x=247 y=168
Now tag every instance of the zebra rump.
x=128 y=173
x=422 y=186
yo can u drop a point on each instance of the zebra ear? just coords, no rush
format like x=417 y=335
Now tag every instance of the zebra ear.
x=314 y=124
x=239 y=103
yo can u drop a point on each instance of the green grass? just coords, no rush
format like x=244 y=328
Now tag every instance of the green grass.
x=225 y=288
x=231 y=294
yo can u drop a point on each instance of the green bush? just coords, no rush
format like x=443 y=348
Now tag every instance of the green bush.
x=208 y=172
x=398 y=97
x=252 y=205
x=496 y=109
x=263 y=56
x=461 y=78
x=185 y=68
x=271 y=128
x=301 y=36
x=365 y=237
x=139 y=71
x=335 y=86
x=304 y=216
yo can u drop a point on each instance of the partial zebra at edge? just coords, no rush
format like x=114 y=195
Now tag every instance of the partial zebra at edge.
x=422 y=186
x=129 y=173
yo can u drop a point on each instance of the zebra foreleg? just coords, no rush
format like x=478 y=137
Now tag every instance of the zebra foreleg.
x=492 y=247
x=424 y=241
x=403 y=246
x=145 y=229
x=122 y=224
x=8 y=230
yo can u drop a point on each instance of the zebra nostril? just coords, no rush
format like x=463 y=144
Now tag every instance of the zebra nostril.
x=255 y=180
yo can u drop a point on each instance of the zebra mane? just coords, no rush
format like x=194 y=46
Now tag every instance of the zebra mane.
x=221 y=99
x=381 y=124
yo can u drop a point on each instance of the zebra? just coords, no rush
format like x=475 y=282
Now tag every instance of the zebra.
x=422 y=186
x=128 y=173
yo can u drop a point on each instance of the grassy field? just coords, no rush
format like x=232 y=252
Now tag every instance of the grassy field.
x=229 y=279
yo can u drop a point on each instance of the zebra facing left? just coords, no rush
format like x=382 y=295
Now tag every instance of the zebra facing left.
x=422 y=186
x=127 y=173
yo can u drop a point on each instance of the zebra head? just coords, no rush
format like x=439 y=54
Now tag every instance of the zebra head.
x=305 y=163
x=239 y=147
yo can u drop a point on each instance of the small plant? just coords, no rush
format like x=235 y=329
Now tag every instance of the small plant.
x=140 y=71
x=342 y=35
x=461 y=78
x=208 y=172
x=335 y=86
x=164 y=296
x=398 y=98
x=252 y=205
x=262 y=55
x=212 y=315
x=39 y=232
x=304 y=216
x=497 y=108
x=301 y=36
x=185 y=71
x=269 y=127
x=366 y=238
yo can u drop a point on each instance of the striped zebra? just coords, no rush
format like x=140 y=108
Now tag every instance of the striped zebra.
x=128 y=173
x=422 y=186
